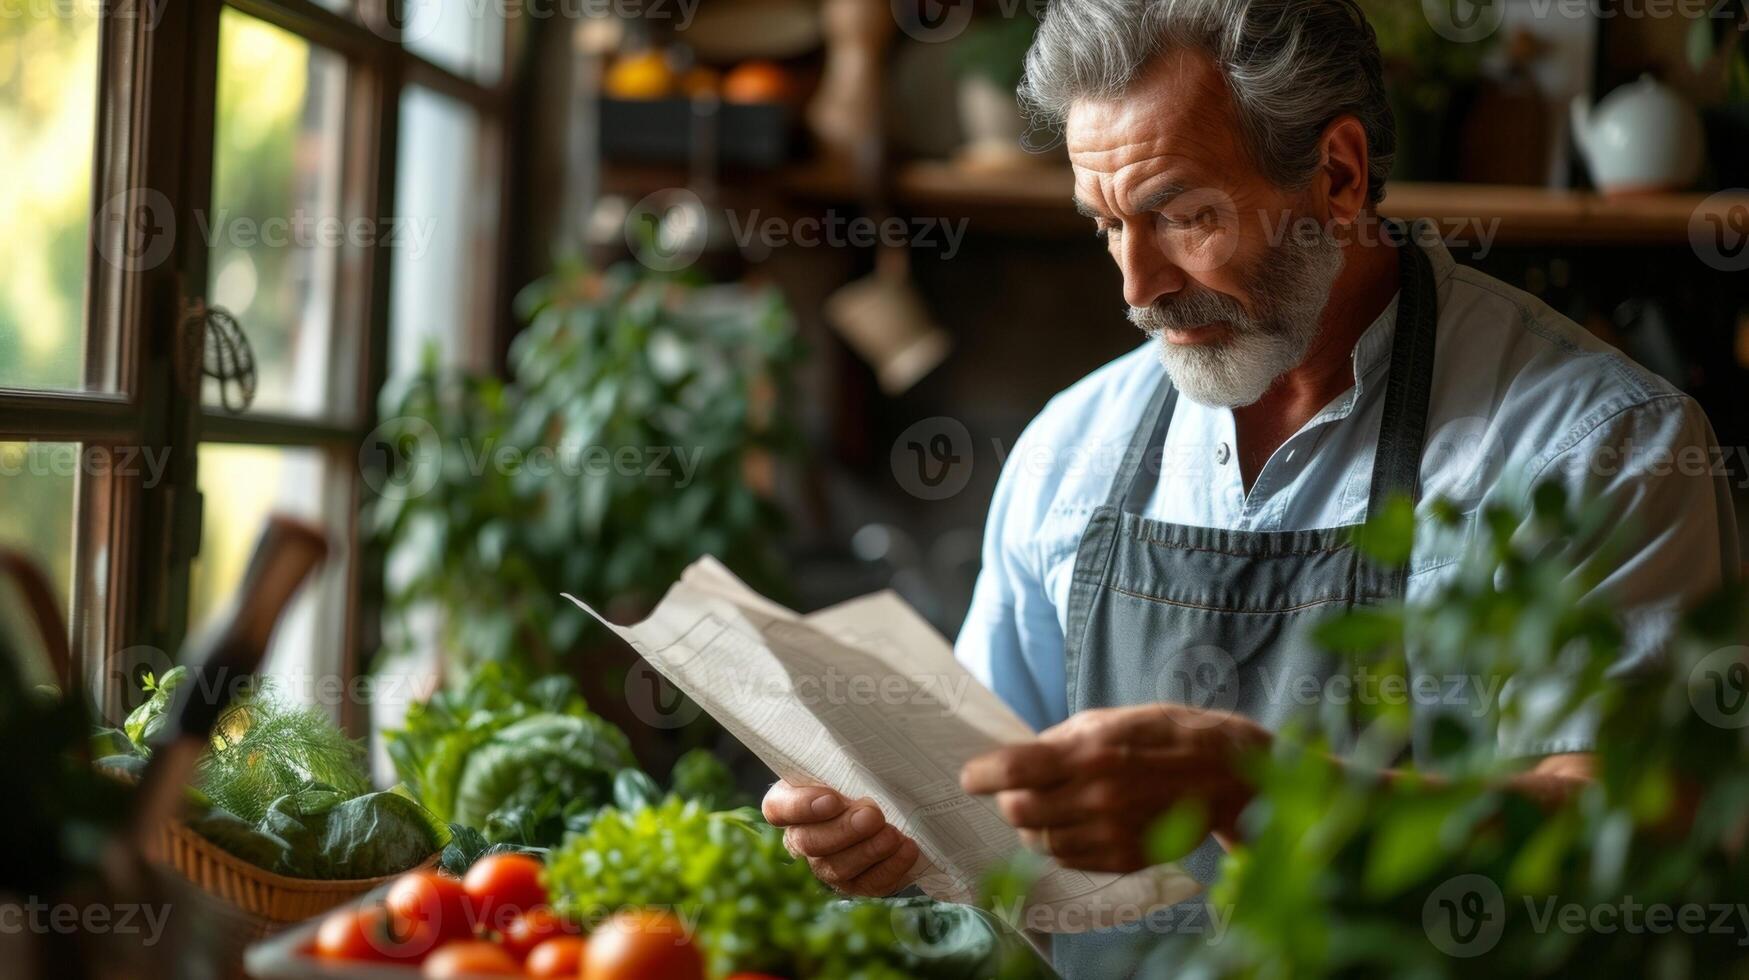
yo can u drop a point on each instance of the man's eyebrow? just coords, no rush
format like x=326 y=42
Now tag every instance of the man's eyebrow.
x=1154 y=200
x=1159 y=197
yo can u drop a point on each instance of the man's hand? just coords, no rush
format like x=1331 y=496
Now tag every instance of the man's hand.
x=1086 y=791
x=848 y=843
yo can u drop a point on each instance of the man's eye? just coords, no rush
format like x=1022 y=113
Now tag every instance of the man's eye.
x=1103 y=230
x=1204 y=218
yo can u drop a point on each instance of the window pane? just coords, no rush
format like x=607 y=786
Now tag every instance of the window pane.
x=48 y=114
x=240 y=487
x=37 y=491
x=276 y=230
x=465 y=36
x=447 y=197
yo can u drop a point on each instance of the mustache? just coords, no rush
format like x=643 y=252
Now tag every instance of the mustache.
x=1191 y=309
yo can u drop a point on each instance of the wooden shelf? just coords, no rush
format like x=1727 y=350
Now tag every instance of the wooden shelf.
x=1525 y=215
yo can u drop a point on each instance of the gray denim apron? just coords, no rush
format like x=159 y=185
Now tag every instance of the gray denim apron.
x=1217 y=618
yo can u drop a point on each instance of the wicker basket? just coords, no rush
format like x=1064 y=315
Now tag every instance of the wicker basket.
x=274 y=899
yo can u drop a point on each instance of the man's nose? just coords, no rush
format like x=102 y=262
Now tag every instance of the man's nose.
x=1149 y=274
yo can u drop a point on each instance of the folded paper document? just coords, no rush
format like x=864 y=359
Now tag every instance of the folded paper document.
x=867 y=698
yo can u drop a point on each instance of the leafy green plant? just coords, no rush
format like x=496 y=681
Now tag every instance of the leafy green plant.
x=1341 y=872
x=264 y=750
x=994 y=48
x=510 y=758
x=757 y=908
x=622 y=447
x=282 y=787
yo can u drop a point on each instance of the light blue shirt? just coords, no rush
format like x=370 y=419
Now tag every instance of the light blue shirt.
x=1521 y=395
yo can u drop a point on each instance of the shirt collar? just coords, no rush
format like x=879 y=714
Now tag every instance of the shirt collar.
x=1373 y=349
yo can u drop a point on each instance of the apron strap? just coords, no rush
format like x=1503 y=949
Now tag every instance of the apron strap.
x=1396 y=467
x=1147 y=451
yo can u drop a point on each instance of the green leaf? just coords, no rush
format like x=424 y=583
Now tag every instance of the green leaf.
x=1388 y=537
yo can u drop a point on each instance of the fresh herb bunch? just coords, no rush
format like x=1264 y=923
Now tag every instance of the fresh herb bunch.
x=1341 y=873
x=754 y=907
x=264 y=749
x=282 y=787
x=513 y=759
x=692 y=380
x=725 y=872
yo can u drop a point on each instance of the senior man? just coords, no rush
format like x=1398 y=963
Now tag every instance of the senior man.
x=1301 y=368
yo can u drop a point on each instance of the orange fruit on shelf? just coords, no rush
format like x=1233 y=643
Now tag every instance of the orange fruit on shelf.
x=642 y=75
x=756 y=82
x=699 y=81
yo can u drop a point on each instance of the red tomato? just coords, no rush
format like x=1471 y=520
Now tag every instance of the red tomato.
x=368 y=932
x=354 y=933
x=434 y=901
x=560 y=957
x=502 y=887
x=469 y=958
x=532 y=928
x=642 y=944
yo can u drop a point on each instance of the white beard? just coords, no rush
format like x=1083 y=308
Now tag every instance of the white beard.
x=1289 y=299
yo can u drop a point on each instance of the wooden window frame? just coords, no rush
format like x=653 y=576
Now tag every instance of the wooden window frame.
x=157 y=105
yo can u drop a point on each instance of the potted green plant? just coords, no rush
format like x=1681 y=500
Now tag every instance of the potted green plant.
x=640 y=427
x=988 y=60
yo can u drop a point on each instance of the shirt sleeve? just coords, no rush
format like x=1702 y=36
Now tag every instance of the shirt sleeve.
x=1658 y=470
x=1012 y=641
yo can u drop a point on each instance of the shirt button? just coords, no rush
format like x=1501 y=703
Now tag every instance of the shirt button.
x=1222 y=454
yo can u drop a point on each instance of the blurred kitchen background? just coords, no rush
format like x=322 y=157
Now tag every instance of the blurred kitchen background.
x=437 y=254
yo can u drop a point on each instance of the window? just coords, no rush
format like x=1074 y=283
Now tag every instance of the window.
x=333 y=187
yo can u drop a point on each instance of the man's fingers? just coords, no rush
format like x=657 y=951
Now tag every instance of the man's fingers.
x=828 y=837
x=787 y=805
x=1032 y=765
x=889 y=875
x=1069 y=803
x=842 y=868
x=1081 y=840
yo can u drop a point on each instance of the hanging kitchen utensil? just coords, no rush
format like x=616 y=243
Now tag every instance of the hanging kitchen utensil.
x=886 y=322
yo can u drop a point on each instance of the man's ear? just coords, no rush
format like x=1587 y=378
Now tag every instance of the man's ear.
x=1343 y=180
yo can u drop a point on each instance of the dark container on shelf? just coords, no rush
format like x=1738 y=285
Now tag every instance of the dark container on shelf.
x=751 y=136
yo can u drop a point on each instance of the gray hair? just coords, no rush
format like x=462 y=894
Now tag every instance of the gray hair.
x=1293 y=66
